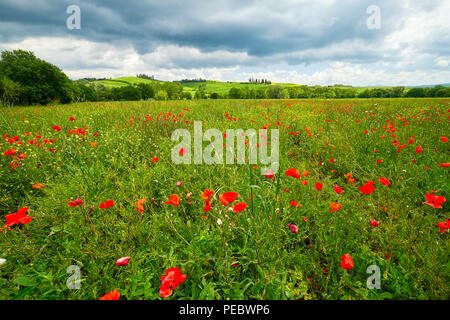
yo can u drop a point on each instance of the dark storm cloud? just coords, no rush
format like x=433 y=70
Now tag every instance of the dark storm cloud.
x=269 y=30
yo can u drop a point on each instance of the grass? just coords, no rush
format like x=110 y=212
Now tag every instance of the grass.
x=252 y=254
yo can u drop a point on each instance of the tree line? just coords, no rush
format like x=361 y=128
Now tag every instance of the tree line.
x=26 y=80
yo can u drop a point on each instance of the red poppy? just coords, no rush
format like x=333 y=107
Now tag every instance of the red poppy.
x=207 y=194
x=319 y=186
x=57 y=128
x=173 y=278
x=17 y=218
x=106 y=204
x=38 y=185
x=368 y=188
x=434 y=201
x=122 y=261
x=374 y=223
x=335 y=206
x=270 y=174
x=113 y=295
x=419 y=150
x=293 y=173
x=337 y=189
x=228 y=197
x=75 y=202
x=444 y=139
x=444 y=165
x=155 y=159
x=294 y=228
x=208 y=206
x=443 y=226
x=239 y=207
x=140 y=205
x=173 y=199
x=10 y=152
x=72 y=119
x=347 y=261
x=384 y=181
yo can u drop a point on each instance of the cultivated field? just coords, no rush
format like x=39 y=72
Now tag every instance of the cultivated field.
x=356 y=177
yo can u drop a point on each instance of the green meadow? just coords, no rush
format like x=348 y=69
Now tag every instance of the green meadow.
x=337 y=199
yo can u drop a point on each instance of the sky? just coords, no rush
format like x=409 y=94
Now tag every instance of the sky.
x=320 y=42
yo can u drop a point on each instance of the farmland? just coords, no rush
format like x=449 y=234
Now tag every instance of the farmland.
x=360 y=178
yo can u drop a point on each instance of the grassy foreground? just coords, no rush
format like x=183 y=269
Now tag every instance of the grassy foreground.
x=252 y=254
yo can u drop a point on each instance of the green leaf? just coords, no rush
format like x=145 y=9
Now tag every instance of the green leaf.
x=24 y=281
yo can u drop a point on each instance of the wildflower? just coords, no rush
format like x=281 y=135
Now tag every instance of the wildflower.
x=337 y=189
x=269 y=174
x=434 y=201
x=368 y=188
x=347 y=261
x=173 y=278
x=106 y=204
x=140 y=205
x=208 y=206
x=173 y=199
x=293 y=173
x=384 y=181
x=17 y=218
x=228 y=197
x=374 y=223
x=335 y=206
x=319 y=186
x=122 y=261
x=10 y=152
x=239 y=207
x=293 y=227
x=443 y=226
x=113 y=295
x=207 y=194
x=75 y=202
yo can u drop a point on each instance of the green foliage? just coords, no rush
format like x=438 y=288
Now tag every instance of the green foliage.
x=252 y=254
x=41 y=81
x=275 y=92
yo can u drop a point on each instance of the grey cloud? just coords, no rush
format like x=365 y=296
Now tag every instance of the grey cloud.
x=272 y=31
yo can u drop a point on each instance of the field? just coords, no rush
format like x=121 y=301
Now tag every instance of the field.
x=63 y=162
x=219 y=87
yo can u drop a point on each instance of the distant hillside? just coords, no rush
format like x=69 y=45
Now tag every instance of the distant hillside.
x=431 y=85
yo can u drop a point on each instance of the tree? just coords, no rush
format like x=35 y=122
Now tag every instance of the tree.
x=161 y=95
x=275 y=92
x=214 y=95
x=41 y=81
x=235 y=93
x=187 y=95
x=10 y=92
x=146 y=90
x=292 y=93
x=415 y=93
